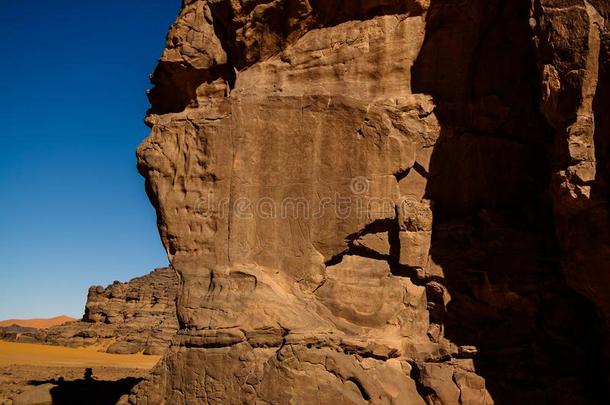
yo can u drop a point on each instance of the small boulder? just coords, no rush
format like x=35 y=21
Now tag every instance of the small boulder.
x=35 y=395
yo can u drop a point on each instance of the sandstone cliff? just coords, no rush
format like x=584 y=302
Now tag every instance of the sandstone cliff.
x=125 y=318
x=379 y=201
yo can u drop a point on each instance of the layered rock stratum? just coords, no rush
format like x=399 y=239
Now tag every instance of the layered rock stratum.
x=383 y=201
x=123 y=318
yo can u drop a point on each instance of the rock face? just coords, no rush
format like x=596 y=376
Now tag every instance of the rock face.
x=21 y=334
x=140 y=314
x=573 y=45
x=38 y=395
x=374 y=202
x=127 y=318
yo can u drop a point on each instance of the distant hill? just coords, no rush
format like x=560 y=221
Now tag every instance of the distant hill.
x=39 y=323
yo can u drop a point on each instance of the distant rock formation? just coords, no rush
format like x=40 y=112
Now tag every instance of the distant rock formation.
x=22 y=334
x=138 y=316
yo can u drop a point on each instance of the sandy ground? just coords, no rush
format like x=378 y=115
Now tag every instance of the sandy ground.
x=23 y=366
x=40 y=323
x=43 y=355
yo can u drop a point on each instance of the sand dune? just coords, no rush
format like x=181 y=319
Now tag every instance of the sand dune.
x=41 y=323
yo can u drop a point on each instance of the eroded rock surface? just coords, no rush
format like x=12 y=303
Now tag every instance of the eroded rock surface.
x=573 y=43
x=355 y=195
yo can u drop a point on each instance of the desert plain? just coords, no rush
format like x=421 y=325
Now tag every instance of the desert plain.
x=34 y=370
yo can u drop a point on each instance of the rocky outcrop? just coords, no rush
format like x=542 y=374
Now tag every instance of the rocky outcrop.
x=15 y=333
x=141 y=313
x=124 y=318
x=498 y=238
x=573 y=46
x=366 y=201
x=132 y=317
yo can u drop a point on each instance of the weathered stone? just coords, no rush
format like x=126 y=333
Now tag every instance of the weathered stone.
x=375 y=242
x=414 y=248
x=347 y=292
x=300 y=193
x=413 y=186
x=37 y=395
x=344 y=186
x=574 y=55
x=414 y=215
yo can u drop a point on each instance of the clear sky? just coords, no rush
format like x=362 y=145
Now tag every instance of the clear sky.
x=73 y=210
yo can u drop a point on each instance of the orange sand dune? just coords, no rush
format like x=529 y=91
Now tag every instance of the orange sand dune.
x=38 y=323
x=43 y=355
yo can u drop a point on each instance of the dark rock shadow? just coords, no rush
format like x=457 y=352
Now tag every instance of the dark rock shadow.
x=88 y=390
x=494 y=236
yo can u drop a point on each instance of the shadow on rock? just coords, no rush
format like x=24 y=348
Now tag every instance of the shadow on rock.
x=494 y=234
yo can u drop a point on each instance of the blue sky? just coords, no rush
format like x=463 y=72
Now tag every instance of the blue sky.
x=73 y=211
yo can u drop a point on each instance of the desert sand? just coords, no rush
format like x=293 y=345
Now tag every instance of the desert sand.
x=43 y=355
x=41 y=323
x=24 y=367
